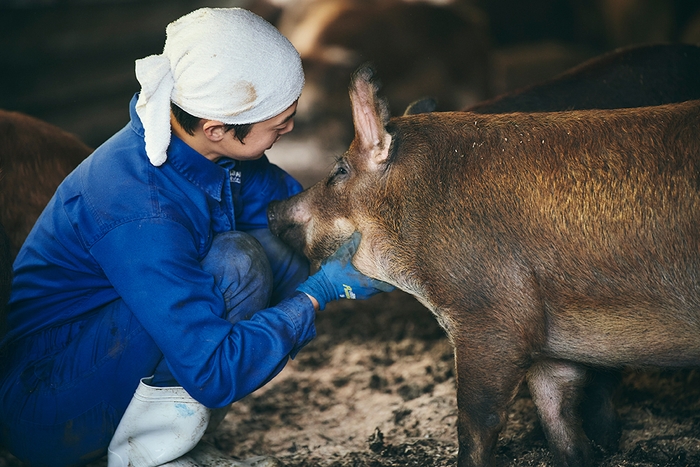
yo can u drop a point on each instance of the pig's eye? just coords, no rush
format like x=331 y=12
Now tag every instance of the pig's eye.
x=340 y=173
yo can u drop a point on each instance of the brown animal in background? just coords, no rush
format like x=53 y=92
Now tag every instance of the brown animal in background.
x=35 y=157
x=628 y=77
x=5 y=278
x=544 y=243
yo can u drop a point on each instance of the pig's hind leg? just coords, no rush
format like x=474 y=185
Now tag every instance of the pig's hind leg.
x=556 y=387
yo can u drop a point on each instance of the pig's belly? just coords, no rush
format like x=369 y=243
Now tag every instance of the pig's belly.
x=625 y=337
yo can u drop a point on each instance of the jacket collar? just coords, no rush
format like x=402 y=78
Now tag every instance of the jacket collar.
x=196 y=168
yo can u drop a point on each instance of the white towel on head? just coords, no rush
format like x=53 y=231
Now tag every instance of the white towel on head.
x=224 y=64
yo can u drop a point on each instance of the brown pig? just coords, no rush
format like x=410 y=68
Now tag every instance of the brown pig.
x=545 y=244
x=634 y=76
x=35 y=157
x=5 y=279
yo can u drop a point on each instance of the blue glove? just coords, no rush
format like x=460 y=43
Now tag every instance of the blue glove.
x=338 y=278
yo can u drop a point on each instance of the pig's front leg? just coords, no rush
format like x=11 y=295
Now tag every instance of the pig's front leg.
x=556 y=387
x=488 y=378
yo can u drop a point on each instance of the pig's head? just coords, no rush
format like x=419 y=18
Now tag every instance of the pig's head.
x=317 y=221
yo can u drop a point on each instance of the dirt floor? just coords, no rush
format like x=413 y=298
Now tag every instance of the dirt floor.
x=377 y=388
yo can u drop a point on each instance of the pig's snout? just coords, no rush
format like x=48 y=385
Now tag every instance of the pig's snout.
x=275 y=218
x=289 y=222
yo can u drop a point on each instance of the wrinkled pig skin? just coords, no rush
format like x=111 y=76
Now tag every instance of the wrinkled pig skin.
x=543 y=243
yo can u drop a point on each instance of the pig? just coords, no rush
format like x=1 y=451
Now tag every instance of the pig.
x=35 y=157
x=545 y=244
x=634 y=76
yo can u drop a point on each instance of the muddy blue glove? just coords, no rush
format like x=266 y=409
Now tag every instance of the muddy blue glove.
x=338 y=278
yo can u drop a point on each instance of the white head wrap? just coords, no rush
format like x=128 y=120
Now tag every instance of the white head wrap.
x=224 y=64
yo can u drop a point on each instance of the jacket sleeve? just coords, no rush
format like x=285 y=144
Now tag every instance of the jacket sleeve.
x=261 y=182
x=162 y=282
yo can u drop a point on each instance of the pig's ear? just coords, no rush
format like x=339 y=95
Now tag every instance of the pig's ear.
x=370 y=114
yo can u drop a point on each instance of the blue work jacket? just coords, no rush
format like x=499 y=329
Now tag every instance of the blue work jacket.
x=119 y=228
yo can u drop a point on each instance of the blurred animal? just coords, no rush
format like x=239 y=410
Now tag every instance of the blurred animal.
x=633 y=76
x=35 y=157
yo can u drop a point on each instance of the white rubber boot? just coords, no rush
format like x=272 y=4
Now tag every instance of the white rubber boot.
x=159 y=425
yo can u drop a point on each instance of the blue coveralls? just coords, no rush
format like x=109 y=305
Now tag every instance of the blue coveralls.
x=133 y=270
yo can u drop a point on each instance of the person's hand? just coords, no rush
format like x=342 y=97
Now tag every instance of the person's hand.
x=337 y=278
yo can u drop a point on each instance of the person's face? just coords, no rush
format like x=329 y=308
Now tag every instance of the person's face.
x=261 y=137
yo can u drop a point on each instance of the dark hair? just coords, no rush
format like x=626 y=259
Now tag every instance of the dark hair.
x=189 y=123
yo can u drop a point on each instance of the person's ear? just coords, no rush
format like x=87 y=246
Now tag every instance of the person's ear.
x=213 y=130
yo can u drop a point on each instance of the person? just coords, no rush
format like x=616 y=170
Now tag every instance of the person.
x=150 y=294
